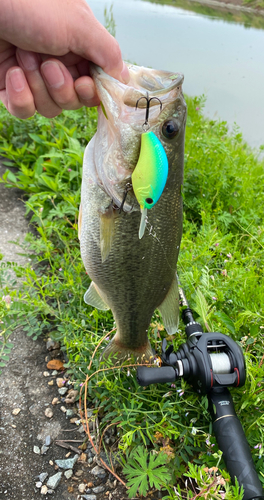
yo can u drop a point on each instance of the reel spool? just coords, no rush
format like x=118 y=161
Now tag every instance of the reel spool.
x=220 y=363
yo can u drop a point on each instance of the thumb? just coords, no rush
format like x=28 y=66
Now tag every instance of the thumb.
x=92 y=41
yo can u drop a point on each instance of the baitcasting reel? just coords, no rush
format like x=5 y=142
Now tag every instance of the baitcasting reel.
x=207 y=361
x=211 y=362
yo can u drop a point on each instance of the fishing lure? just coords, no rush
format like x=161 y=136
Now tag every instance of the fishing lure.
x=150 y=174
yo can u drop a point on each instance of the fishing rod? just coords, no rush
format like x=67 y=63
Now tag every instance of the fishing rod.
x=211 y=362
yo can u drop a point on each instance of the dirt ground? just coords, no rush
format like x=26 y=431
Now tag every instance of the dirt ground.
x=24 y=387
x=22 y=384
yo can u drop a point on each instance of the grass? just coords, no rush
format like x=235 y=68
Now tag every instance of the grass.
x=254 y=3
x=220 y=267
x=229 y=15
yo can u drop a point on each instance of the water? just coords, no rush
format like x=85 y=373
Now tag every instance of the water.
x=223 y=60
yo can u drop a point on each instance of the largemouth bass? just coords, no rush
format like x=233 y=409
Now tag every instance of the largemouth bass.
x=133 y=276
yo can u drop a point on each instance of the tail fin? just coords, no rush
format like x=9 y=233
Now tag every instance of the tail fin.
x=120 y=352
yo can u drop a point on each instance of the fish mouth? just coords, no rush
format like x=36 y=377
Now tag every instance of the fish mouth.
x=121 y=116
x=155 y=81
x=143 y=81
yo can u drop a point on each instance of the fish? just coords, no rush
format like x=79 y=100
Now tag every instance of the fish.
x=131 y=275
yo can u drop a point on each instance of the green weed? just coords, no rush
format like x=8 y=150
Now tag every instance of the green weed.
x=220 y=267
x=145 y=470
x=254 y=3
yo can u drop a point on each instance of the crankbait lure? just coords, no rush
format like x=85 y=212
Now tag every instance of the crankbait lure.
x=150 y=174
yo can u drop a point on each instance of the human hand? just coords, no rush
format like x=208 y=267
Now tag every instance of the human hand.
x=45 y=49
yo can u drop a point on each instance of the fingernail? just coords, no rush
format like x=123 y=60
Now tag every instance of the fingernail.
x=52 y=73
x=125 y=74
x=85 y=92
x=17 y=79
x=29 y=60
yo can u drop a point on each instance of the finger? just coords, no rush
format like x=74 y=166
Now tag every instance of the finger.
x=73 y=70
x=86 y=92
x=5 y=65
x=20 y=101
x=93 y=42
x=83 y=68
x=3 y=98
x=60 y=84
x=4 y=46
x=68 y=60
x=71 y=62
x=30 y=62
x=7 y=60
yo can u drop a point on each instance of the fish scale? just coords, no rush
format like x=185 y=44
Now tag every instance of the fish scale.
x=132 y=277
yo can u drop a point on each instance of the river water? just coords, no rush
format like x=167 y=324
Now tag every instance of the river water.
x=223 y=60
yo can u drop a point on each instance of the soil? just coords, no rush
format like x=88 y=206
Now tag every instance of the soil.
x=23 y=386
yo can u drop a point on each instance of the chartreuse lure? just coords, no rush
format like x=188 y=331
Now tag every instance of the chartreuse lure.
x=150 y=174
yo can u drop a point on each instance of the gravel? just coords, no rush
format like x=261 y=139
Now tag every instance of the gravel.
x=98 y=489
x=68 y=473
x=51 y=345
x=43 y=476
x=47 y=441
x=98 y=471
x=70 y=413
x=68 y=463
x=54 y=481
x=63 y=390
x=44 y=490
x=48 y=413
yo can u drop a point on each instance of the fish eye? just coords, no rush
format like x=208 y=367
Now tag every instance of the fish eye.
x=149 y=201
x=170 y=128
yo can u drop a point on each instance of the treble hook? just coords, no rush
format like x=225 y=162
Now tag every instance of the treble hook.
x=127 y=188
x=146 y=125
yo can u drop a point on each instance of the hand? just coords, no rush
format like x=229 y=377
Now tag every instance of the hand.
x=45 y=49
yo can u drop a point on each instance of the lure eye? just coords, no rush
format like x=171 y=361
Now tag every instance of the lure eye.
x=170 y=128
x=149 y=201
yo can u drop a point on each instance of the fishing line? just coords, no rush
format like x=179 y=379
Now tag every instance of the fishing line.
x=220 y=362
x=155 y=237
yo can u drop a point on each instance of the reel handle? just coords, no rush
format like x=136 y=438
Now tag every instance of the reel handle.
x=150 y=375
x=232 y=442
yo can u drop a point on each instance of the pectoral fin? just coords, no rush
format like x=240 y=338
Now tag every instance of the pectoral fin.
x=107 y=227
x=169 y=308
x=93 y=298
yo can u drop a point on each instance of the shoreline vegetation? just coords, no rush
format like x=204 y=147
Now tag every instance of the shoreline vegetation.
x=252 y=7
x=248 y=13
